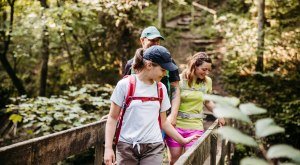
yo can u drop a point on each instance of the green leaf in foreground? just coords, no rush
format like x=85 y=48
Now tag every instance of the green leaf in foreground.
x=251 y=109
x=15 y=118
x=284 y=151
x=251 y=161
x=228 y=111
x=266 y=127
x=236 y=136
x=233 y=101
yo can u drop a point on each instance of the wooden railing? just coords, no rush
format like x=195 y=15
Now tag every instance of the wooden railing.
x=58 y=146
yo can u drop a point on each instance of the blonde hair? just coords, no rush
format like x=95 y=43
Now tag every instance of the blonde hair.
x=196 y=60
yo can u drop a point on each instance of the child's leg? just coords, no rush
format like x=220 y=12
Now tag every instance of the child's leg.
x=152 y=153
x=125 y=154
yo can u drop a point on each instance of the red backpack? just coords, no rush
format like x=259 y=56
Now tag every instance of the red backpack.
x=130 y=96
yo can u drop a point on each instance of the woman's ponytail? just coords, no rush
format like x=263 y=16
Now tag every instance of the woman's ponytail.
x=138 y=61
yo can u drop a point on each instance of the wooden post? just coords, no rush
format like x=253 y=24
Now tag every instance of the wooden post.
x=99 y=152
x=213 y=148
x=223 y=152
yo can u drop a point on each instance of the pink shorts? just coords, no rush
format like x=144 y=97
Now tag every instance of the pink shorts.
x=184 y=133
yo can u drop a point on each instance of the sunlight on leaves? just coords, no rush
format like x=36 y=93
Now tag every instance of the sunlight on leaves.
x=15 y=118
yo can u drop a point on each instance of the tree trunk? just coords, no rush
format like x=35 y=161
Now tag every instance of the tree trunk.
x=45 y=57
x=70 y=56
x=161 y=16
x=260 y=36
x=3 y=52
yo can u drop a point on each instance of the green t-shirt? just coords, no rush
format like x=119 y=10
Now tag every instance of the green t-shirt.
x=192 y=102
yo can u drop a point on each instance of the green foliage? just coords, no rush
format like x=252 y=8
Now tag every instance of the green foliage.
x=251 y=109
x=88 y=41
x=251 y=161
x=41 y=116
x=236 y=136
x=263 y=128
x=230 y=112
x=284 y=151
x=266 y=127
x=276 y=88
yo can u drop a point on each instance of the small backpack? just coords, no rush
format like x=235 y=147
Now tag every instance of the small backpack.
x=130 y=96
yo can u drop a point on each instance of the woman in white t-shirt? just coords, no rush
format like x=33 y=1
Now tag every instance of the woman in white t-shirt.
x=140 y=139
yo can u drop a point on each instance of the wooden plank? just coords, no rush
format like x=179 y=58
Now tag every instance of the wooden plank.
x=213 y=148
x=204 y=8
x=54 y=147
x=198 y=152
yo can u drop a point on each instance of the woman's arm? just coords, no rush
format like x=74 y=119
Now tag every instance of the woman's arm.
x=171 y=131
x=210 y=106
x=110 y=129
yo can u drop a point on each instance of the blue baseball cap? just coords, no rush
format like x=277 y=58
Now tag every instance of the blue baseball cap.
x=151 y=32
x=161 y=56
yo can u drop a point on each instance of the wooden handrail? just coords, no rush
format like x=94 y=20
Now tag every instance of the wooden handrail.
x=55 y=147
x=204 y=8
x=206 y=145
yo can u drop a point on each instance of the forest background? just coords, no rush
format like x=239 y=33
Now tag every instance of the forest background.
x=61 y=58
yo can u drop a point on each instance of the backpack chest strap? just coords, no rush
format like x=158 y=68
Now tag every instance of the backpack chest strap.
x=144 y=99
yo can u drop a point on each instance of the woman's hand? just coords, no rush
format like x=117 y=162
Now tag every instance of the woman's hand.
x=191 y=138
x=109 y=156
x=221 y=122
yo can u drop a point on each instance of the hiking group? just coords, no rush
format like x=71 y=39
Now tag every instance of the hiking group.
x=137 y=122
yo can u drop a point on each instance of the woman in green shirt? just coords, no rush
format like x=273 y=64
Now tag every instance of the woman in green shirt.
x=193 y=85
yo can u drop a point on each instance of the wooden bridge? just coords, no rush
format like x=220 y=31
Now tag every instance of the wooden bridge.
x=209 y=149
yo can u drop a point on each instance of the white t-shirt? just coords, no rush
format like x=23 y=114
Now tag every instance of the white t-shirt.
x=140 y=121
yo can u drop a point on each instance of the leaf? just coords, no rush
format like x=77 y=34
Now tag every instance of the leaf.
x=287 y=163
x=60 y=127
x=236 y=136
x=228 y=111
x=15 y=118
x=284 y=151
x=251 y=161
x=222 y=100
x=251 y=109
x=266 y=127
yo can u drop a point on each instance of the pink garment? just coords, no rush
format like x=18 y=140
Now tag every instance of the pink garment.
x=184 y=133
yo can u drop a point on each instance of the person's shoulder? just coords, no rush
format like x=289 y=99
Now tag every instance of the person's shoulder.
x=124 y=81
x=208 y=79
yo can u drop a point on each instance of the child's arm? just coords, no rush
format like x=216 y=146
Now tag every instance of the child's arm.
x=110 y=129
x=210 y=106
x=175 y=102
x=171 y=131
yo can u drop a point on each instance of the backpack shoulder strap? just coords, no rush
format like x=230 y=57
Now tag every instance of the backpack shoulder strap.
x=160 y=97
x=126 y=103
x=131 y=89
x=160 y=92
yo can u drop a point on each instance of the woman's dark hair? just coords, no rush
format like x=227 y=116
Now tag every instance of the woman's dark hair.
x=138 y=61
x=196 y=60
